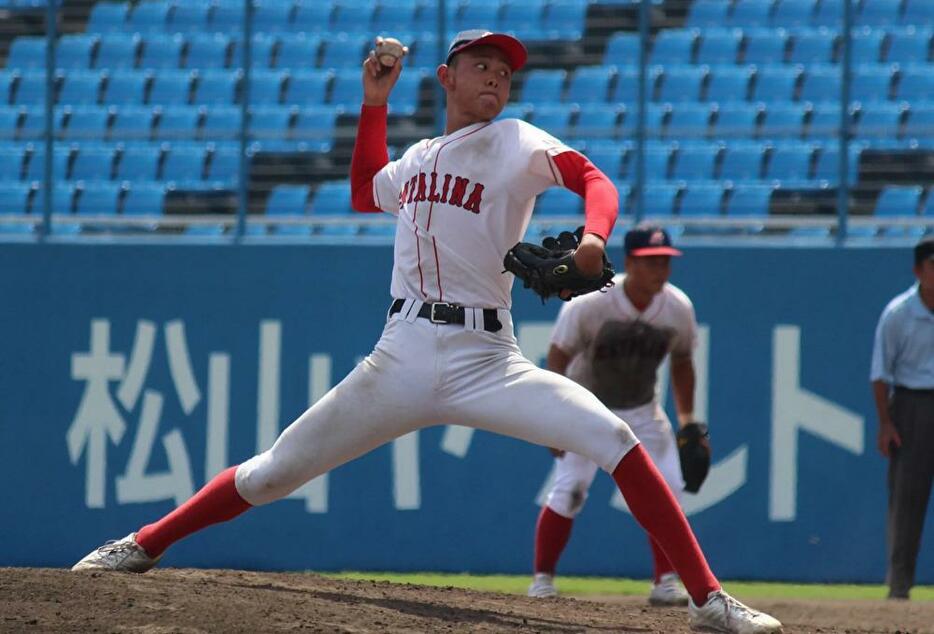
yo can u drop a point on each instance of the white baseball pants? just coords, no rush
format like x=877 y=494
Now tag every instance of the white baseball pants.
x=422 y=374
x=574 y=473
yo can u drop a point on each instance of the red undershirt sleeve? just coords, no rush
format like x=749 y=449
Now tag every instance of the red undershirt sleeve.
x=601 y=200
x=370 y=154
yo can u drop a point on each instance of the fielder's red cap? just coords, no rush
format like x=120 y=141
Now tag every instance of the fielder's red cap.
x=512 y=48
x=647 y=239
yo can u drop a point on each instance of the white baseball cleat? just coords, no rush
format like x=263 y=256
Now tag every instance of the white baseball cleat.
x=723 y=613
x=543 y=586
x=668 y=591
x=123 y=555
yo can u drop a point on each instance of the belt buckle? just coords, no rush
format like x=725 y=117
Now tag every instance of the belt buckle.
x=436 y=320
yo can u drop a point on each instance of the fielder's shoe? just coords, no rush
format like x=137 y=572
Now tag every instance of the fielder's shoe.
x=723 y=613
x=543 y=586
x=668 y=591
x=123 y=555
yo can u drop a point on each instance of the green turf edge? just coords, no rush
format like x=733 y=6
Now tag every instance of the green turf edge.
x=582 y=586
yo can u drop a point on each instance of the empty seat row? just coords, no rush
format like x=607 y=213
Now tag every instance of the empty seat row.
x=94 y=198
x=795 y=13
x=675 y=83
x=775 y=46
x=217 y=87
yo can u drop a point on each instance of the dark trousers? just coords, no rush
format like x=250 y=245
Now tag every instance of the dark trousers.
x=911 y=471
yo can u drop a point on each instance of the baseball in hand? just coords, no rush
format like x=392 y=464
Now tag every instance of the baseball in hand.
x=389 y=51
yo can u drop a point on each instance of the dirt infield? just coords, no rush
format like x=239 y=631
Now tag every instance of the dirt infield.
x=190 y=601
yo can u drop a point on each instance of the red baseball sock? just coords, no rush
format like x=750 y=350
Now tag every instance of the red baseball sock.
x=218 y=501
x=551 y=536
x=659 y=560
x=656 y=509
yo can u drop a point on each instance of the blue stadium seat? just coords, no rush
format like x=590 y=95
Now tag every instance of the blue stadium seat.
x=719 y=46
x=7 y=80
x=909 y=46
x=749 y=200
x=272 y=16
x=735 y=120
x=589 y=84
x=332 y=197
x=701 y=199
x=87 y=122
x=208 y=51
x=793 y=13
x=821 y=84
x=475 y=13
x=401 y=15
x=14 y=197
x=742 y=161
x=607 y=156
x=825 y=121
x=708 y=13
x=656 y=115
x=224 y=167
x=298 y=51
x=261 y=51
x=75 y=51
x=765 y=46
x=80 y=87
x=266 y=86
x=688 y=120
x=271 y=126
x=347 y=90
x=728 y=84
x=523 y=18
x=107 y=17
x=553 y=118
x=920 y=124
x=828 y=163
x=783 y=120
x=543 y=86
x=287 y=200
x=144 y=199
x=308 y=87
x=659 y=199
x=879 y=12
x=426 y=52
x=673 y=46
x=33 y=122
x=776 y=83
x=558 y=201
x=657 y=162
x=227 y=18
x=63 y=202
x=829 y=13
x=132 y=123
x=813 y=47
x=26 y=52
x=871 y=84
x=352 y=17
x=183 y=166
x=563 y=20
x=426 y=17
x=313 y=17
x=12 y=161
x=138 y=163
x=9 y=125
x=162 y=51
x=222 y=123
x=622 y=49
x=695 y=162
x=790 y=162
x=516 y=111
x=190 y=16
x=126 y=87
x=178 y=123
x=682 y=83
x=216 y=86
x=170 y=87
x=150 y=16
x=626 y=88
x=61 y=159
x=596 y=120
x=118 y=51
x=899 y=201
x=748 y=13
x=918 y=12
x=314 y=128
x=99 y=198
x=344 y=51
x=916 y=84
x=866 y=46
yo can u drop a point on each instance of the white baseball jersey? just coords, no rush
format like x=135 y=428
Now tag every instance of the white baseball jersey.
x=461 y=206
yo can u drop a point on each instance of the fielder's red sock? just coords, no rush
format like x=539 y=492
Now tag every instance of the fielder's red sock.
x=551 y=536
x=656 y=509
x=218 y=501
x=659 y=560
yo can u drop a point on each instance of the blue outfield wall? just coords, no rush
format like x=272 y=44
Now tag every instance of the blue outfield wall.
x=132 y=373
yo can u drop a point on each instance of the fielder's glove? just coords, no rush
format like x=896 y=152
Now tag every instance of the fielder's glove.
x=550 y=269
x=694 y=454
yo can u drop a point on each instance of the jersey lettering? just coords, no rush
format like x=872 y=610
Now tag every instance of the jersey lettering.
x=473 y=201
x=433 y=195
x=458 y=191
x=424 y=187
x=444 y=189
x=420 y=196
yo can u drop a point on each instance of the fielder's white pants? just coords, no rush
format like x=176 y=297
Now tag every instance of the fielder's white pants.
x=574 y=473
x=422 y=374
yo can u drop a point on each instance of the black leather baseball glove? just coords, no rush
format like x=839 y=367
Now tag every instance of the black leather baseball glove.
x=694 y=454
x=550 y=269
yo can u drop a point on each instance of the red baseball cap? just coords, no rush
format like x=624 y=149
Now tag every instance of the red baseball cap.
x=646 y=240
x=513 y=49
